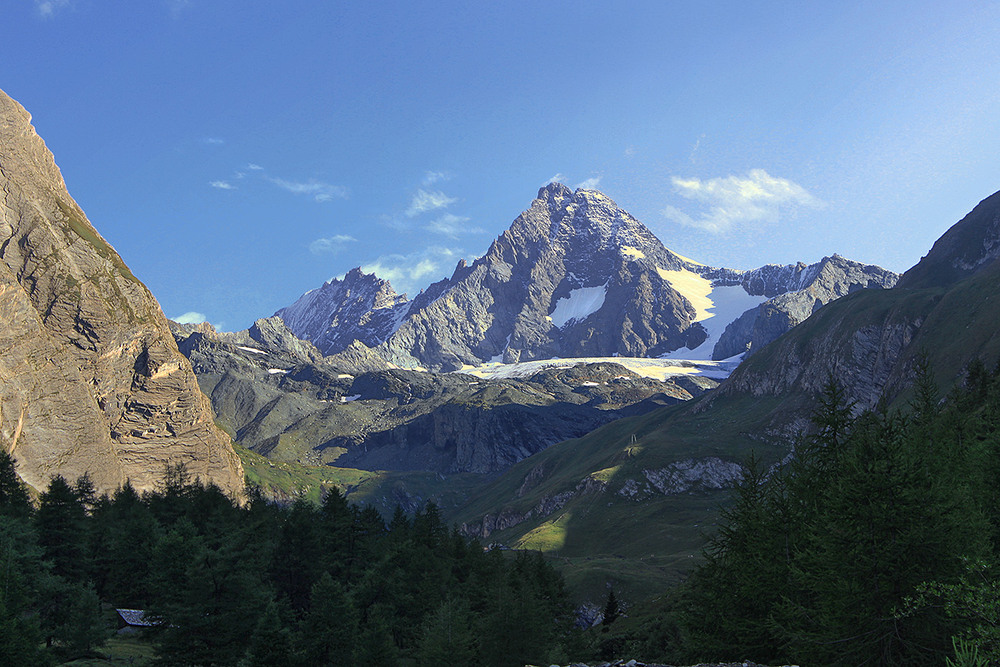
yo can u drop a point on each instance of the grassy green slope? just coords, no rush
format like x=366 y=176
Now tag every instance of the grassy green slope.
x=641 y=544
x=285 y=481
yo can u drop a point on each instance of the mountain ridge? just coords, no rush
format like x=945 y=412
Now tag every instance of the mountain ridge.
x=871 y=341
x=573 y=276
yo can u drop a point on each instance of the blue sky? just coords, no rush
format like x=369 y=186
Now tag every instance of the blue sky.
x=239 y=153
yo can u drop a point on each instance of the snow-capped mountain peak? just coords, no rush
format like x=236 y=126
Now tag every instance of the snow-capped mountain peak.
x=573 y=276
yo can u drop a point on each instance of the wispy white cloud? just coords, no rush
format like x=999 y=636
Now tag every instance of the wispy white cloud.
x=414 y=271
x=190 y=317
x=424 y=201
x=214 y=141
x=318 y=190
x=735 y=201
x=48 y=8
x=451 y=226
x=694 y=149
x=588 y=184
x=330 y=244
x=432 y=177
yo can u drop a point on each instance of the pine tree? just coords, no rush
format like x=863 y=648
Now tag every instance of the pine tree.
x=447 y=637
x=14 y=500
x=611 y=610
x=271 y=643
x=24 y=582
x=375 y=646
x=329 y=632
x=61 y=522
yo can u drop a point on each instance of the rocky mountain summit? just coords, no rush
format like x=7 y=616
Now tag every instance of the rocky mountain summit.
x=573 y=276
x=812 y=287
x=91 y=380
x=675 y=463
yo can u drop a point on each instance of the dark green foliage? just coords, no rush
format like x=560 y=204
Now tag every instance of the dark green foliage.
x=375 y=645
x=611 y=609
x=817 y=561
x=271 y=644
x=14 y=500
x=448 y=637
x=24 y=583
x=261 y=584
x=61 y=521
x=329 y=632
x=124 y=537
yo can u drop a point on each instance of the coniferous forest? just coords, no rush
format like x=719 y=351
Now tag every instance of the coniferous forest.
x=877 y=543
x=262 y=584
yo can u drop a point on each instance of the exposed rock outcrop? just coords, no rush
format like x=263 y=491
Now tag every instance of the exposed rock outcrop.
x=829 y=279
x=944 y=307
x=358 y=307
x=91 y=380
x=969 y=246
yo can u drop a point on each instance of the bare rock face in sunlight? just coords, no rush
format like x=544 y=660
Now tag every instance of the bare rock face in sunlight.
x=358 y=307
x=573 y=276
x=91 y=380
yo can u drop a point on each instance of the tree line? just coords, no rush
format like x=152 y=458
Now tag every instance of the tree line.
x=263 y=584
x=878 y=543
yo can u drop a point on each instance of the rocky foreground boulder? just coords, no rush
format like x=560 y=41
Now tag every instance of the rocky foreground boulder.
x=91 y=380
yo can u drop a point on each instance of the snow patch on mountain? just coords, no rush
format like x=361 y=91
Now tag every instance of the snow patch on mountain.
x=580 y=304
x=727 y=304
x=657 y=369
x=692 y=287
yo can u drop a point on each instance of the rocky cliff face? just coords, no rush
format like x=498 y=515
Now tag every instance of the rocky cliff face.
x=91 y=380
x=970 y=246
x=573 y=276
x=945 y=307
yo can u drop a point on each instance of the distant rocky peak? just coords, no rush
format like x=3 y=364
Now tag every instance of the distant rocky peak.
x=554 y=194
x=358 y=307
x=357 y=281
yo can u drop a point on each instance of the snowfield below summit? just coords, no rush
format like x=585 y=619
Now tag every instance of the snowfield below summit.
x=657 y=369
x=580 y=304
